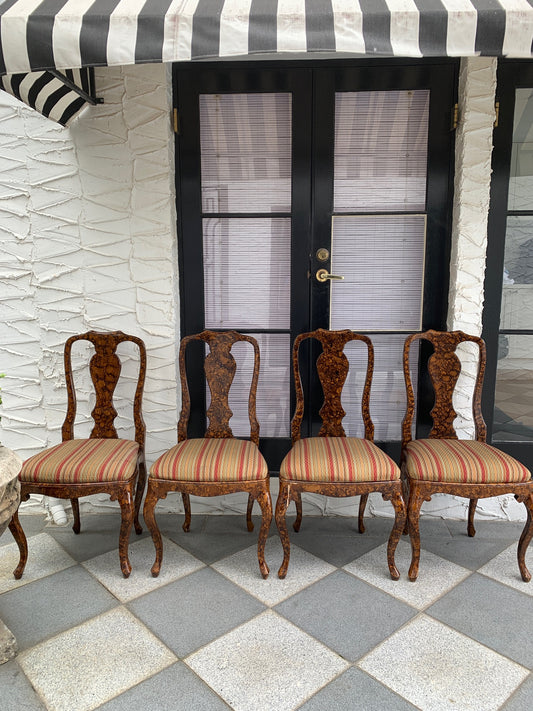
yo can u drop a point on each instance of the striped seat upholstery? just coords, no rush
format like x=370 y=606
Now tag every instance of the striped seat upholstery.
x=79 y=461
x=462 y=461
x=211 y=460
x=337 y=459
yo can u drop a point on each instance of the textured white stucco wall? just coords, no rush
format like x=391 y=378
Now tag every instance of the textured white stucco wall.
x=87 y=230
x=87 y=240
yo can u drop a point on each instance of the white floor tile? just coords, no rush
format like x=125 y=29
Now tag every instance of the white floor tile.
x=90 y=664
x=267 y=664
x=439 y=669
x=436 y=575
x=177 y=563
x=45 y=557
x=242 y=569
x=504 y=568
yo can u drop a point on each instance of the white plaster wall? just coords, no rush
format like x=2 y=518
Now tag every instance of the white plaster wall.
x=87 y=240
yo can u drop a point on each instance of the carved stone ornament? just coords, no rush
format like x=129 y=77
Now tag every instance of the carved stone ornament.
x=10 y=465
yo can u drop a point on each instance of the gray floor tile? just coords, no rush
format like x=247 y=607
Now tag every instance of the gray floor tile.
x=491 y=613
x=176 y=688
x=17 y=692
x=195 y=610
x=99 y=534
x=356 y=690
x=488 y=529
x=53 y=604
x=355 y=618
x=522 y=699
x=215 y=539
x=32 y=524
x=504 y=568
x=470 y=553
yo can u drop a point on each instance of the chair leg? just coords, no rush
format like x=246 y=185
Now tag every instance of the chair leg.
x=298 y=502
x=141 y=482
x=265 y=502
x=76 y=526
x=362 y=506
x=149 y=517
x=249 y=522
x=471 y=511
x=405 y=493
x=413 y=515
x=22 y=543
x=525 y=539
x=281 y=509
x=127 y=508
x=396 y=533
x=187 y=507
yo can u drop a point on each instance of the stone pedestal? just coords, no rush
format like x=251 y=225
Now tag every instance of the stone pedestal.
x=10 y=465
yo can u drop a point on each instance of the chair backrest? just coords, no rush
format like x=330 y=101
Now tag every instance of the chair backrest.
x=219 y=367
x=105 y=367
x=444 y=368
x=332 y=367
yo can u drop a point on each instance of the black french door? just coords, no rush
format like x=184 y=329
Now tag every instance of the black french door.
x=290 y=175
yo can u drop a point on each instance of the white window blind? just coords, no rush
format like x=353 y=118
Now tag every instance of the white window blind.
x=246 y=152
x=247 y=272
x=381 y=151
x=382 y=261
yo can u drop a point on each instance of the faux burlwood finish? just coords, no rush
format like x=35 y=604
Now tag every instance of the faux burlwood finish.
x=332 y=367
x=444 y=368
x=220 y=368
x=104 y=367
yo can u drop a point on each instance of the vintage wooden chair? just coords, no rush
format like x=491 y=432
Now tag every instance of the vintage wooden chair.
x=104 y=462
x=217 y=463
x=331 y=463
x=442 y=462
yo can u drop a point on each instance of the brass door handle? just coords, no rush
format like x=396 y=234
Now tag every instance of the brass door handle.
x=323 y=275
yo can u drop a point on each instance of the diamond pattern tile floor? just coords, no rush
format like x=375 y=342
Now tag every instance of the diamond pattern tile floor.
x=210 y=633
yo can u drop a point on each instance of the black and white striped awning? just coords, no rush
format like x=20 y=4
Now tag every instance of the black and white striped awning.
x=43 y=35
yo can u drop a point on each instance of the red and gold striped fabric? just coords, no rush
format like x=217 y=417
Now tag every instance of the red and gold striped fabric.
x=462 y=461
x=79 y=461
x=211 y=460
x=337 y=459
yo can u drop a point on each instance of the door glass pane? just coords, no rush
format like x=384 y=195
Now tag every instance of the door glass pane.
x=381 y=150
x=521 y=178
x=513 y=402
x=246 y=152
x=517 y=293
x=272 y=391
x=382 y=261
x=387 y=396
x=247 y=272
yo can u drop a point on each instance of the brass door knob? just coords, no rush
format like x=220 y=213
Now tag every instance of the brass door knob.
x=323 y=275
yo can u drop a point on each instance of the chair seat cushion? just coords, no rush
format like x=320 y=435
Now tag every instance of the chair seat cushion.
x=462 y=461
x=337 y=459
x=82 y=461
x=211 y=459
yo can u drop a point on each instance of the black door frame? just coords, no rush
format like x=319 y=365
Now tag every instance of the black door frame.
x=511 y=75
x=239 y=76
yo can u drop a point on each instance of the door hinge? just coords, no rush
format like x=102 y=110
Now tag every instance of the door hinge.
x=455 y=117
x=175 y=120
x=497 y=112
